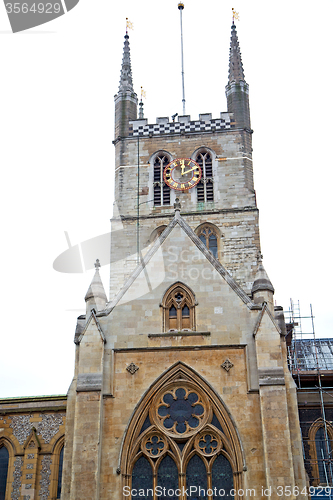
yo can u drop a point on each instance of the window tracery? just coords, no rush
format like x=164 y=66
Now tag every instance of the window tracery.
x=210 y=237
x=205 y=187
x=160 y=189
x=180 y=445
x=178 y=308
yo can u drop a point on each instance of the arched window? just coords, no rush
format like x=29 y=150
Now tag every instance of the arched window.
x=156 y=234
x=180 y=438
x=61 y=460
x=161 y=190
x=4 y=461
x=205 y=189
x=210 y=237
x=178 y=308
x=321 y=447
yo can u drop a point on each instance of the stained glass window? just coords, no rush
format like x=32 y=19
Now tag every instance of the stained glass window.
x=196 y=475
x=4 y=459
x=222 y=477
x=142 y=478
x=181 y=410
x=61 y=460
x=167 y=477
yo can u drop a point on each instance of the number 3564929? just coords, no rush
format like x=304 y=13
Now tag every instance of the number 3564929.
x=35 y=8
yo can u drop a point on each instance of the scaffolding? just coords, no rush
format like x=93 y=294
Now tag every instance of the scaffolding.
x=310 y=359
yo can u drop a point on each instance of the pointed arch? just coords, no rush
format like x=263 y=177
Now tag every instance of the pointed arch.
x=57 y=462
x=7 y=453
x=210 y=235
x=205 y=157
x=178 y=305
x=320 y=450
x=180 y=431
x=160 y=191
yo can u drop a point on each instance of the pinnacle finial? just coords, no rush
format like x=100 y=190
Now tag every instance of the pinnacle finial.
x=126 y=82
x=97 y=264
x=177 y=205
x=236 y=72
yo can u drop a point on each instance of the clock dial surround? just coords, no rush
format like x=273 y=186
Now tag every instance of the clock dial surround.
x=182 y=174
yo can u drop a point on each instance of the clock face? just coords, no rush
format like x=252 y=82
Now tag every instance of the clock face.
x=182 y=174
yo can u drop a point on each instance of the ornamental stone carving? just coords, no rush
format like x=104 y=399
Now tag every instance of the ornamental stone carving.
x=227 y=365
x=49 y=426
x=132 y=368
x=17 y=474
x=45 y=478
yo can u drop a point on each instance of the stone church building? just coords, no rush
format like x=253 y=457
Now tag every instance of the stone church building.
x=181 y=383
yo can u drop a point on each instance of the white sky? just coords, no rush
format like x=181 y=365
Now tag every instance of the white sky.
x=57 y=159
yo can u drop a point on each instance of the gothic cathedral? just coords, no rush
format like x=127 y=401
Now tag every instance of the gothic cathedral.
x=181 y=387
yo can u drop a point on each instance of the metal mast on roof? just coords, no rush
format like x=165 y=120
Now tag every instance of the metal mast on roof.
x=181 y=8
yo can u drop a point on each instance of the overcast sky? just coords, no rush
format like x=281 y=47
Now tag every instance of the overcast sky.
x=57 y=158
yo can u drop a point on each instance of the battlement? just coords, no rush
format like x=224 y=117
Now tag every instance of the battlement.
x=184 y=125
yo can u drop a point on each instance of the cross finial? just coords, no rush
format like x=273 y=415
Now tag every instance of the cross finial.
x=97 y=264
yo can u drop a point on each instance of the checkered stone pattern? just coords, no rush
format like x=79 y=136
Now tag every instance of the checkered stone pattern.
x=136 y=130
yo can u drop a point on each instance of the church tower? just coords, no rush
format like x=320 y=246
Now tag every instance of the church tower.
x=181 y=379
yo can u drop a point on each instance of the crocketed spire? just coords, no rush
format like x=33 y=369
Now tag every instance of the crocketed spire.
x=236 y=72
x=261 y=280
x=126 y=83
x=96 y=288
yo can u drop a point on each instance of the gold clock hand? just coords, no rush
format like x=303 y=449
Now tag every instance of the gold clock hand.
x=191 y=170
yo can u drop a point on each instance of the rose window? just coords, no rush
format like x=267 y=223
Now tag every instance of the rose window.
x=180 y=410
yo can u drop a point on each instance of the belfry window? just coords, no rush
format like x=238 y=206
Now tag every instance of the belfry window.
x=179 y=439
x=4 y=460
x=208 y=234
x=205 y=189
x=161 y=190
x=178 y=308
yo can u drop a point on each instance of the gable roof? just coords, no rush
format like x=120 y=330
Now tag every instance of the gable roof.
x=77 y=339
x=178 y=220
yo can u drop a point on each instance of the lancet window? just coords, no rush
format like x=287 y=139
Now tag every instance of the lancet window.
x=60 y=465
x=180 y=439
x=4 y=461
x=161 y=190
x=178 y=308
x=205 y=188
x=321 y=448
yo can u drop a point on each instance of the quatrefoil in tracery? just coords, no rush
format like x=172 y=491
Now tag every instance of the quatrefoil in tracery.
x=208 y=443
x=154 y=445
